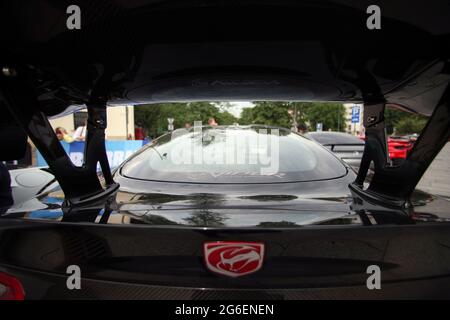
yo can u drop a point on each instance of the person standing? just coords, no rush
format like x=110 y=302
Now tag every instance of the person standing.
x=62 y=135
x=80 y=133
x=302 y=128
x=212 y=122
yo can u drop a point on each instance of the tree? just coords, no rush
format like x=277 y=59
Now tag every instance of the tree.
x=403 y=122
x=225 y=118
x=246 y=116
x=392 y=117
x=268 y=113
x=147 y=116
x=153 y=117
x=331 y=115
x=410 y=125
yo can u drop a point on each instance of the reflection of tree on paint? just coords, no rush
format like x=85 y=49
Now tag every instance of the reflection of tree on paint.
x=200 y=201
x=270 y=197
x=204 y=218
x=159 y=198
x=277 y=224
x=155 y=219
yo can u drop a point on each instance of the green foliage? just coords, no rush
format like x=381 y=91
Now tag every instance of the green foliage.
x=409 y=125
x=268 y=113
x=332 y=115
x=153 y=117
x=225 y=118
x=246 y=116
x=391 y=117
x=403 y=122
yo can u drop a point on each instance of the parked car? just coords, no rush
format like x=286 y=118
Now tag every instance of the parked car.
x=346 y=146
x=399 y=147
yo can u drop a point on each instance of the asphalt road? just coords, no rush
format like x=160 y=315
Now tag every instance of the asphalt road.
x=437 y=178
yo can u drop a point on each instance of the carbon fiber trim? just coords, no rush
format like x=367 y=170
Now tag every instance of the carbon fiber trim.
x=93 y=289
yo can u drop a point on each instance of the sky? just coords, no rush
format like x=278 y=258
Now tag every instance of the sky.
x=237 y=106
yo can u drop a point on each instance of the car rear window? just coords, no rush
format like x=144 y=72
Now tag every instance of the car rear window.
x=234 y=155
x=334 y=138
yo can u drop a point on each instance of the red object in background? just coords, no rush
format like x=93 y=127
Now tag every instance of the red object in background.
x=10 y=288
x=399 y=148
x=139 y=133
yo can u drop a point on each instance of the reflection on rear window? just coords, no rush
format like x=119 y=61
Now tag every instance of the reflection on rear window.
x=234 y=155
x=334 y=138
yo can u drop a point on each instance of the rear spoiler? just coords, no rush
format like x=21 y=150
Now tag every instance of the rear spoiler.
x=80 y=185
x=332 y=145
x=391 y=183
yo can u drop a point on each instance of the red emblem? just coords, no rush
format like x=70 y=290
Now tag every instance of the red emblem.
x=233 y=258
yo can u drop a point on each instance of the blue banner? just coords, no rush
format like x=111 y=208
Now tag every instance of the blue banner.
x=116 y=150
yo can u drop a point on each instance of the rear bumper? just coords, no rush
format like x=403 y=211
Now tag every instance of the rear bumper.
x=143 y=262
x=46 y=286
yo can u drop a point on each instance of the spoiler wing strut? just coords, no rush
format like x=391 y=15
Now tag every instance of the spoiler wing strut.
x=81 y=185
x=392 y=185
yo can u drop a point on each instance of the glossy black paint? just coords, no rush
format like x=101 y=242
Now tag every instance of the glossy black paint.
x=113 y=60
x=346 y=146
x=133 y=249
x=145 y=244
x=318 y=236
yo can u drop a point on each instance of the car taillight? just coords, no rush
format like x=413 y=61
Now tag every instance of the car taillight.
x=10 y=288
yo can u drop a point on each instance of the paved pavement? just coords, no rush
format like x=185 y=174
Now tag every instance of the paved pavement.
x=437 y=178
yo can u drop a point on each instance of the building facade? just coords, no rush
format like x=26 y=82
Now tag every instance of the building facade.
x=120 y=122
x=350 y=127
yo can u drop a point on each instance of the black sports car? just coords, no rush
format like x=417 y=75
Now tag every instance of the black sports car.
x=233 y=208
x=346 y=146
x=175 y=223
